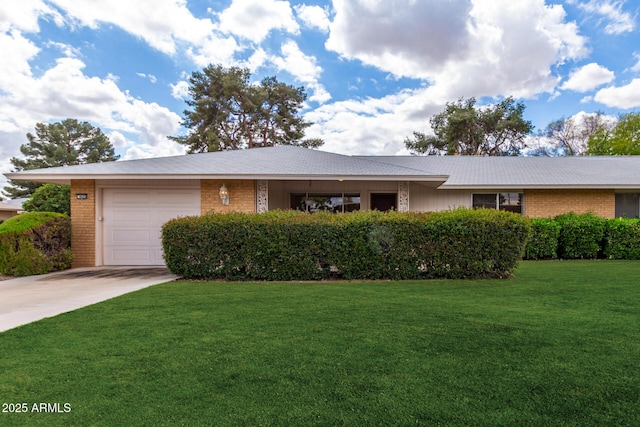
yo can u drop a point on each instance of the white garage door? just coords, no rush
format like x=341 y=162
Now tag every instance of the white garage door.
x=133 y=218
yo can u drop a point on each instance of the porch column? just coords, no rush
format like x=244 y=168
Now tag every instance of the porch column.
x=262 y=196
x=403 y=196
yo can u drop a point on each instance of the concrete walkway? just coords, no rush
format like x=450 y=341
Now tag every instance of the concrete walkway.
x=28 y=299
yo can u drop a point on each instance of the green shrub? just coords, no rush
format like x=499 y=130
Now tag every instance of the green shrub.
x=289 y=245
x=50 y=198
x=622 y=239
x=35 y=243
x=543 y=243
x=581 y=236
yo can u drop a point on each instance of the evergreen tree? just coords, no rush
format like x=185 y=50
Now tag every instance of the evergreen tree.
x=64 y=143
x=463 y=129
x=228 y=112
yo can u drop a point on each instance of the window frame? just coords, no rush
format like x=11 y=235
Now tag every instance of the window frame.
x=619 y=214
x=498 y=205
x=305 y=197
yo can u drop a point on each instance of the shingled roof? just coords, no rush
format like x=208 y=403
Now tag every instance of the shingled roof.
x=469 y=172
x=296 y=163
x=282 y=162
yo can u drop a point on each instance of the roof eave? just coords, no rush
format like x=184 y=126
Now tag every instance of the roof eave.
x=67 y=178
x=539 y=186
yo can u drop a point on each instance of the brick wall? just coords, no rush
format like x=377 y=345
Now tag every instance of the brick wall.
x=83 y=223
x=549 y=203
x=242 y=196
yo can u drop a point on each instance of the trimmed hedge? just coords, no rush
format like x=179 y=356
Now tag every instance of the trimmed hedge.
x=35 y=243
x=543 y=243
x=581 y=236
x=622 y=239
x=584 y=236
x=290 y=245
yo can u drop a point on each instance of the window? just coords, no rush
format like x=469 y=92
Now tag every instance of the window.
x=316 y=202
x=627 y=205
x=511 y=202
x=383 y=202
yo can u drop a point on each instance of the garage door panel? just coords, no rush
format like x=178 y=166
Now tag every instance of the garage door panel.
x=133 y=219
x=166 y=215
x=129 y=216
x=132 y=256
x=136 y=237
x=127 y=197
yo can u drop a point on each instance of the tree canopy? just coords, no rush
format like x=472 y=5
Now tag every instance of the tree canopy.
x=569 y=136
x=622 y=139
x=64 y=143
x=495 y=130
x=50 y=198
x=228 y=112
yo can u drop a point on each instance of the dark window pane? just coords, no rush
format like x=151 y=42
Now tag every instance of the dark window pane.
x=627 y=205
x=487 y=201
x=324 y=202
x=297 y=202
x=383 y=201
x=335 y=203
x=511 y=202
x=351 y=202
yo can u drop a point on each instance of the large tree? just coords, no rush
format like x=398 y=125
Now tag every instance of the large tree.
x=464 y=129
x=64 y=143
x=228 y=112
x=569 y=136
x=622 y=139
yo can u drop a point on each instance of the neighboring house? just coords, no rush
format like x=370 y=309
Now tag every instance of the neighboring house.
x=118 y=208
x=7 y=210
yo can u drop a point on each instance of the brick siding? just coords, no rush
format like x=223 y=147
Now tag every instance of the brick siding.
x=549 y=203
x=242 y=196
x=83 y=223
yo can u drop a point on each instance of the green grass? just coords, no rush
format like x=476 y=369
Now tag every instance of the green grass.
x=557 y=345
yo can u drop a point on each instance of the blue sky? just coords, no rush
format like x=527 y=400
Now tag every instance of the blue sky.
x=374 y=70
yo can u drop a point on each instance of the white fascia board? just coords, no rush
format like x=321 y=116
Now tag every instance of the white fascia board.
x=66 y=179
x=541 y=187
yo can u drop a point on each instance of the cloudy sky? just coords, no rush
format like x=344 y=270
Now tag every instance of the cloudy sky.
x=374 y=70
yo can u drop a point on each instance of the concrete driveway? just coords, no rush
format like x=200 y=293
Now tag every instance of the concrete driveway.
x=28 y=299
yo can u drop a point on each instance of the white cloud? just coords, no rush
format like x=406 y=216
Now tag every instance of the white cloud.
x=23 y=15
x=214 y=49
x=62 y=91
x=17 y=51
x=372 y=125
x=255 y=19
x=303 y=67
x=627 y=96
x=589 y=77
x=617 y=20
x=161 y=23
x=463 y=48
x=313 y=17
x=636 y=67
x=180 y=90
x=66 y=49
x=151 y=77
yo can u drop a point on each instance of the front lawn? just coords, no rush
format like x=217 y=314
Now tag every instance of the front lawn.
x=557 y=345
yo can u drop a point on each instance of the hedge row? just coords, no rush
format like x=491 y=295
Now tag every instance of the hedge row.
x=289 y=245
x=586 y=236
x=35 y=243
